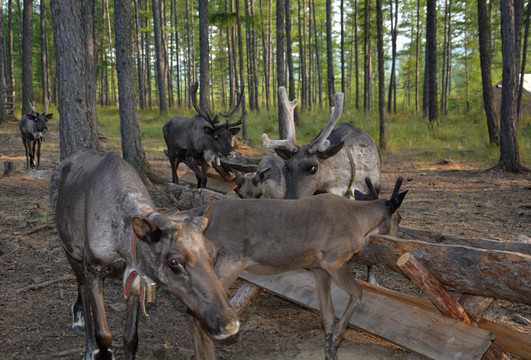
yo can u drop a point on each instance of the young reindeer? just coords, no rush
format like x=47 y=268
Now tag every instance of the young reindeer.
x=271 y=236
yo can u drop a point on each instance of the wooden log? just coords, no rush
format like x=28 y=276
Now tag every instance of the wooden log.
x=440 y=237
x=476 y=306
x=186 y=198
x=246 y=294
x=397 y=321
x=490 y=273
x=433 y=289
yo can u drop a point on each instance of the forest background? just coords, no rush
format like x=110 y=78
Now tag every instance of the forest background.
x=312 y=47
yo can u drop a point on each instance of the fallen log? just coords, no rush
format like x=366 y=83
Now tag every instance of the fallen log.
x=440 y=237
x=489 y=273
x=185 y=198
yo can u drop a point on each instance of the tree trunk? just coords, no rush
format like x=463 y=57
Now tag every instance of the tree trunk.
x=392 y=79
x=302 y=55
x=342 y=39
x=381 y=74
x=44 y=56
x=281 y=73
x=317 y=57
x=2 y=66
x=159 y=57
x=77 y=130
x=524 y=58
x=139 y=64
x=27 y=57
x=356 y=54
x=10 y=52
x=132 y=150
x=417 y=62
x=240 y=49
x=431 y=40
x=88 y=10
x=367 y=61
x=511 y=20
x=289 y=58
x=329 y=55
x=204 y=70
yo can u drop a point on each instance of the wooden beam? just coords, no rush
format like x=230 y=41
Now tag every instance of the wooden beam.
x=244 y=297
x=489 y=273
x=422 y=331
x=433 y=289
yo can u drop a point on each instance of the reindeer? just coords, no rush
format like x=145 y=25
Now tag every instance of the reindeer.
x=198 y=141
x=337 y=160
x=269 y=181
x=271 y=236
x=32 y=129
x=109 y=227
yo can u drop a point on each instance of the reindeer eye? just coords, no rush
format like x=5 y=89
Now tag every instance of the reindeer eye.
x=313 y=169
x=216 y=136
x=175 y=265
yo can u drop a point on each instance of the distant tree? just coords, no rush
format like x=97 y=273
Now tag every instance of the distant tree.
x=10 y=51
x=511 y=30
x=367 y=59
x=132 y=150
x=431 y=61
x=27 y=57
x=329 y=54
x=44 y=56
x=159 y=56
x=484 y=57
x=281 y=73
x=3 y=69
x=524 y=59
x=204 y=70
x=78 y=127
x=289 y=58
x=381 y=74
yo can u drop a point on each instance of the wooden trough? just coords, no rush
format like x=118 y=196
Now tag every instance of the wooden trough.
x=443 y=327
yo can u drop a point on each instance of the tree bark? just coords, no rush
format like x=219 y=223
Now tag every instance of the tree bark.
x=289 y=59
x=329 y=55
x=139 y=63
x=302 y=55
x=431 y=44
x=417 y=62
x=77 y=126
x=524 y=58
x=44 y=56
x=489 y=273
x=511 y=25
x=10 y=52
x=27 y=57
x=240 y=49
x=281 y=73
x=204 y=70
x=367 y=60
x=381 y=74
x=132 y=150
x=317 y=57
x=159 y=56
x=3 y=71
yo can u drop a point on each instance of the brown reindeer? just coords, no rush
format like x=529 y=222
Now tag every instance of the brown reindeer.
x=271 y=236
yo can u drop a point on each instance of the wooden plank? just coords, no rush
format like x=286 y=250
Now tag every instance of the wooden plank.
x=439 y=237
x=214 y=183
x=510 y=340
x=489 y=273
x=418 y=330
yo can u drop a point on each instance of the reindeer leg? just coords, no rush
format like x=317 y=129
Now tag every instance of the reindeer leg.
x=174 y=166
x=26 y=147
x=33 y=163
x=131 y=327
x=327 y=312
x=371 y=279
x=190 y=161
x=103 y=335
x=38 y=141
x=348 y=283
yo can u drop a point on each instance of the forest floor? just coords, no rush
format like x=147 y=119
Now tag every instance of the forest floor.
x=461 y=199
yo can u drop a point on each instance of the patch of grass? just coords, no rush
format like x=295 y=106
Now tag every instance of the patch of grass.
x=459 y=137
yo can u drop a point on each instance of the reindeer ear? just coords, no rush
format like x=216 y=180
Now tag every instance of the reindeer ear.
x=30 y=116
x=265 y=173
x=239 y=176
x=331 y=151
x=209 y=210
x=208 y=130
x=48 y=116
x=234 y=131
x=358 y=195
x=397 y=201
x=200 y=222
x=146 y=229
x=284 y=153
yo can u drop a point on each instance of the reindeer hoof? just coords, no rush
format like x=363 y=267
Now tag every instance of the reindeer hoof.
x=100 y=355
x=329 y=348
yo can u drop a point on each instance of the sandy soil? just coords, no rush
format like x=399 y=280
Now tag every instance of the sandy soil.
x=458 y=198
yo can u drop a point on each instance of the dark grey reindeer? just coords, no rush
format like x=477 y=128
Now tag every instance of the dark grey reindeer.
x=32 y=129
x=199 y=141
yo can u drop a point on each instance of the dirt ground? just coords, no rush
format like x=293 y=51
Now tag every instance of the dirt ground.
x=37 y=286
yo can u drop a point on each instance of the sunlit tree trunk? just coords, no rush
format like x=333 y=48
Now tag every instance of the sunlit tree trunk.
x=281 y=73
x=27 y=57
x=367 y=60
x=317 y=57
x=431 y=44
x=204 y=70
x=159 y=57
x=329 y=54
x=3 y=71
x=381 y=74
x=139 y=65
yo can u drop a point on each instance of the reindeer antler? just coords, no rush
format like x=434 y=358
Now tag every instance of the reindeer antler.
x=203 y=114
x=372 y=190
x=397 y=187
x=290 y=142
x=46 y=107
x=320 y=143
